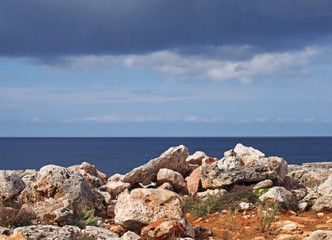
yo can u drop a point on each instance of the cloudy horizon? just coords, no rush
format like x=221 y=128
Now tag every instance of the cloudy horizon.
x=165 y=68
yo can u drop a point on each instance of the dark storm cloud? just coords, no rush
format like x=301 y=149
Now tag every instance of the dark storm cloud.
x=77 y=27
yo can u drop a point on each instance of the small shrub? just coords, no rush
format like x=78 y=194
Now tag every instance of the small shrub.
x=231 y=222
x=259 y=192
x=289 y=204
x=84 y=218
x=201 y=208
x=266 y=215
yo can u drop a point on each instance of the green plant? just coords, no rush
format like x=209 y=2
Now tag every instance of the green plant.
x=204 y=207
x=266 y=215
x=12 y=218
x=230 y=222
x=290 y=204
x=84 y=218
x=259 y=192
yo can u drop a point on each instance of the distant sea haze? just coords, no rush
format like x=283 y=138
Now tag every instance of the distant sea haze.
x=120 y=155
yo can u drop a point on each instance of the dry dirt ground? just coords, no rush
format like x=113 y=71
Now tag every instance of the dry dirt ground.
x=245 y=226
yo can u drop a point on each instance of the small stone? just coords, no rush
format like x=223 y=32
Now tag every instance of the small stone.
x=320 y=214
x=264 y=184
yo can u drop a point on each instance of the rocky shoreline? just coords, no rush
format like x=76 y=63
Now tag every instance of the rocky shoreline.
x=149 y=201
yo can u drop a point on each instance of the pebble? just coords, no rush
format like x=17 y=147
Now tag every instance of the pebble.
x=320 y=214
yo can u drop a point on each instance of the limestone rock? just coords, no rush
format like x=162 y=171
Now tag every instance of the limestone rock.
x=193 y=181
x=278 y=194
x=162 y=229
x=229 y=153
x=28 y=194
x=213 y=177
x=50 y=211
x=173 y=177
x=203 y=233
x=263 y=184
x=166 y=186
x=98 y=233
x=130 y=236
x=174 y=159
x=248 y=154
x=90 y=174
x=280 y=166
x=246 y=206
x=209 y=161
x=196 y=158
x=323 y=203
x=229 y=162
x=55 y=181
x=11 y=185
x=320 y=235
x=326 y=187
x=115 y=185
x=144 y=206
x=211 y=193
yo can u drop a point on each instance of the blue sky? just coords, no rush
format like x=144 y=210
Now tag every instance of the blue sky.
x=165 y=68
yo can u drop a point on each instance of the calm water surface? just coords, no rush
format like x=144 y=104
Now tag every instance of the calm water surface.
x=120 y=155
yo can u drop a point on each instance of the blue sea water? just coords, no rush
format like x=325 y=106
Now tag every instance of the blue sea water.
x=120 y=155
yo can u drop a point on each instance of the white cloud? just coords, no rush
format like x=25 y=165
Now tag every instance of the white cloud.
x=35 y=119
x=198 y=67
x=73 y=63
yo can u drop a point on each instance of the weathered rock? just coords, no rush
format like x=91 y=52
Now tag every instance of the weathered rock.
x=162 y=229
x=90 y=174
x=11 y=185
x=28 y=194
x=209 y=161
x=115 y=185
x=15 y=236
x=230 y=162
x=248 y=154
x=305 y=178
x=264 y=184
x=51 y=232
x=278 y=194
x=320 y=235
x=174 y=159
x=213 y=177
x=194 y=181
x=229 y=153
x=50 y=211
x=202 y=232
x=323 y=203
x=280 y=166
x=308 y=200
x=54 y=181
x=196 y=158
x=246 y=206
x=325 y=187
x=173 y=177
x=166 y=186
x=130 y=236
x=211 y=193
x=144 y=206
x=98 y=233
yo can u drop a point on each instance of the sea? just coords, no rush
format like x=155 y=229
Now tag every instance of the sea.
x=121 y=155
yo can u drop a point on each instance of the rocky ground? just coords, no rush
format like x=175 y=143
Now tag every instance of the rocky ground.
x=174 y=196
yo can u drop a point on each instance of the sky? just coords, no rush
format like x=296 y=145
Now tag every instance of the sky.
x=145 y=68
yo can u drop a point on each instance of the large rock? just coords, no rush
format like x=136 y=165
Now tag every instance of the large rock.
x=193 y=181
x=56 y=182
x=248 y=154
x=50 y=211
x=320 y=235
x=94 y=177
x=325 y=187
x=143 y=206
x=323 y=203
x=162 y=229
x=263 y=184
x=115 y=185
x=51 y=232
x=280 y=166
x=229 y=162
x=173 y=177
x=28 y=194
x=11 y=185
x=174 y=159
x=214 y=177
x=278 y=194
x=196 y=158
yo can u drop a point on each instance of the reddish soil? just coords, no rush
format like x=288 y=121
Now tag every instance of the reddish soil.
x=246 y=227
